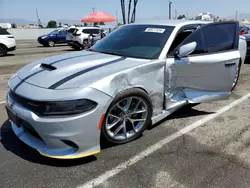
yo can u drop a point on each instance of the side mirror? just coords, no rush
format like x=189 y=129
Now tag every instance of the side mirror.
x=185 y=50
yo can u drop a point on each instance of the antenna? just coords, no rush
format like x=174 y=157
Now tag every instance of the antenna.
x=38 y=19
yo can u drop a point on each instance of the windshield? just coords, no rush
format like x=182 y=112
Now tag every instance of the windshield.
x=139 y=41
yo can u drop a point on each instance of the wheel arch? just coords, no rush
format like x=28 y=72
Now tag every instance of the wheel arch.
x=1 y=44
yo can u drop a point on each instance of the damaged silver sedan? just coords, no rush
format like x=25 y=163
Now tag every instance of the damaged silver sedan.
x=131 y=79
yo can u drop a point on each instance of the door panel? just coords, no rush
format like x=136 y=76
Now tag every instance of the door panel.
x=206 y=74
x=215 y=72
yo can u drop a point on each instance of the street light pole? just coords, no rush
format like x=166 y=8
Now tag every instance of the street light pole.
x=175 y=14
x=170 y=3
x=236 y=17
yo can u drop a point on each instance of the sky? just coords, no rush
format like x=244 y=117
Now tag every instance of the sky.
x=146 y=9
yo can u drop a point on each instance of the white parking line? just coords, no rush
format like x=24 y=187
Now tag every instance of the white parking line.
x=109 y=174
x=2 y=102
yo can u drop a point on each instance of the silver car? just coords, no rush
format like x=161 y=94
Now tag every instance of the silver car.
x=131 y=79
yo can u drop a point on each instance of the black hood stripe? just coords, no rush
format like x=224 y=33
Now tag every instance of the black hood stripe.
x=68 y=78
x=35 y=73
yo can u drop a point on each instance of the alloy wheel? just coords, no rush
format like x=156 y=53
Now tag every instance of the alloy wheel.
x=126 y=118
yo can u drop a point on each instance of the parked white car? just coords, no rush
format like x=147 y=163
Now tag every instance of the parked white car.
x=7 y=42
x=77 y=38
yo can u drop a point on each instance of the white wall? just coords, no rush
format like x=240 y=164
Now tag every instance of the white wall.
x=28 y=34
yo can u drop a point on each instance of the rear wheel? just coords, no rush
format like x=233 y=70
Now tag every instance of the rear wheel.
x=127 y=117
x=85 y=45
x=3 y=50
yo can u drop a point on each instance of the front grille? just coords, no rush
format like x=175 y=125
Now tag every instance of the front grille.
x=34 y=106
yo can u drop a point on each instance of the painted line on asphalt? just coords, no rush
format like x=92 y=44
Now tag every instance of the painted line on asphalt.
x=111 y=173
x=2 y=102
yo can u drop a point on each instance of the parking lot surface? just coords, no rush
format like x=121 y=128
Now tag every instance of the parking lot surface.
x=205 y=146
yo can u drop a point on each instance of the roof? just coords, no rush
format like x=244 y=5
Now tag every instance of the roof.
x=88 y=27
x=173 y=22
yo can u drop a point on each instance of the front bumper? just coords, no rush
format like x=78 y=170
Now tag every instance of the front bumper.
x=42 y=41
x=62 y=137
x=12 y=49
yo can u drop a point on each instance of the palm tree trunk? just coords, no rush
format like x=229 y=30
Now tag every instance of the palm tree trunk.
x=129 y=9
x=134 y=11
x=123 y=11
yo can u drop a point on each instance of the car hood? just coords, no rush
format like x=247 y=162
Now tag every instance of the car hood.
x=76 y=69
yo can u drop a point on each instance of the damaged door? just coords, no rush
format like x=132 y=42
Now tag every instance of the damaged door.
x=206 y=72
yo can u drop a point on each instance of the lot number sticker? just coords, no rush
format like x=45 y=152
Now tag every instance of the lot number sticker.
x=155 y=30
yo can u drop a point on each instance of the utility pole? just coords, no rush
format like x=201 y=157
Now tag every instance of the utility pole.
x=175 y=14
x=236 y=17
x=169 y=9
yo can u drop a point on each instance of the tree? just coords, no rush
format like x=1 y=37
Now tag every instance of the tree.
x=60 y=24
x=52 y=24
x=101 y=23
x=13 y=25
x=130 y=17
x=85 y=24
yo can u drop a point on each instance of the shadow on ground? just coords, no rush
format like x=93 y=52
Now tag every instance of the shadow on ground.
x=13 y=144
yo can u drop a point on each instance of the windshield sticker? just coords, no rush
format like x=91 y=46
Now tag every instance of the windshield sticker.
x=155 y=30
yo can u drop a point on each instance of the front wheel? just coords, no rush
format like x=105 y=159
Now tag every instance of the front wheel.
x=127 y=117
x=51 y=43
x=3 y=50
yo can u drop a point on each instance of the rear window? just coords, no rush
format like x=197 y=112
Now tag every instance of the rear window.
x=86 y=31
x=4 y=32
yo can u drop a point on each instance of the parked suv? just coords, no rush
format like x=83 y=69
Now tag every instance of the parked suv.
x=7 y=42
x=77 y=38
x=57 y=36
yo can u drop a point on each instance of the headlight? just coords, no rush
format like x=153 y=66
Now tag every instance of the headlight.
x=43 y=37
x=69 y=107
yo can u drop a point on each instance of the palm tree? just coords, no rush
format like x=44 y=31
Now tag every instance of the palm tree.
x=131 y=17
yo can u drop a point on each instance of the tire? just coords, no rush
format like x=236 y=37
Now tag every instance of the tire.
x=3 y=50
x=76 y=48
x=135 y=111
x=51 y=43
x=85 y=45
x=236 y=76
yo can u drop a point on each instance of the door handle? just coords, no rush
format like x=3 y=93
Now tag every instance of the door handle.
x=229 y=64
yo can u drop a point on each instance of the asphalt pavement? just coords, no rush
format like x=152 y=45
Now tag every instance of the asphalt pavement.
x=205 y=146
